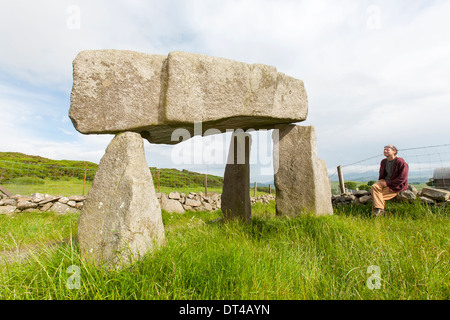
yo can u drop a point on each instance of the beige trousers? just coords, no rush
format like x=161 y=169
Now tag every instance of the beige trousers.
x=380 y=195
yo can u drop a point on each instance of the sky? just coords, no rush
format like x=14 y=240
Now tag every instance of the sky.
x=375 y=72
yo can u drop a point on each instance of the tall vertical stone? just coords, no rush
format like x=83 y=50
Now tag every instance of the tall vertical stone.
x=121 y=219
x=236 y=183
x=301 y=179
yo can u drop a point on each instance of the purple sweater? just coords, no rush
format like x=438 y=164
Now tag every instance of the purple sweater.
x=399 y=178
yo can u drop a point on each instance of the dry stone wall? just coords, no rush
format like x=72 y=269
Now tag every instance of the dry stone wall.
x=176 y=202
x=38 y=202
x=429 y=196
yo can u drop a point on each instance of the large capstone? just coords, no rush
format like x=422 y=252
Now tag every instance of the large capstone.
x=121 y=219
x=115 y=91
x=301 y=178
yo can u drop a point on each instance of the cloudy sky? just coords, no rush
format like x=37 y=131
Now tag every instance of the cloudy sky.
x=376 y=72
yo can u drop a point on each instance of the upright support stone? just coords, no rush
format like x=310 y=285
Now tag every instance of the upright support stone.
x=236 y=202
x=301 y=181
x=121 y=219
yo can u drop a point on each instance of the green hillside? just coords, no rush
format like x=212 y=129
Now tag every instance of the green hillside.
x=18 y=168
x=29 y=159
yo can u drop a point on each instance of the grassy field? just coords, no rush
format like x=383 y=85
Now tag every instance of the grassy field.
x=272 y=257
x=27 y=174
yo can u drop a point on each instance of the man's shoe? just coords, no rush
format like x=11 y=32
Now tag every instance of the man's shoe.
x=378 y=212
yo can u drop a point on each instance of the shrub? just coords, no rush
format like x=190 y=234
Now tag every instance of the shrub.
x=350 y=185
x=364 y=187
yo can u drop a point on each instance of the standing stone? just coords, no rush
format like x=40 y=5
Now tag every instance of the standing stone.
x=62 y=208
x=121 y=219
x=301 y=179
x=236 y=201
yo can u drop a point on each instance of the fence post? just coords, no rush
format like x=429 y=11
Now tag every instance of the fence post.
x=159 y=179
x=341 y=180
x=5 y=191
x=206 y=184
x=84 y=180
x=270 y=189
x=254 y=192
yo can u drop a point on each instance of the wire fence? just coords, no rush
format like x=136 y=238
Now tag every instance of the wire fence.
x=28 y=178
x=422 y=162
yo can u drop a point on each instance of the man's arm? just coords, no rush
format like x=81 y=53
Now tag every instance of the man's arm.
x=382 y=173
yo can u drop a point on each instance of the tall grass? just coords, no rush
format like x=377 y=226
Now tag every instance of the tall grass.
x=271 y=257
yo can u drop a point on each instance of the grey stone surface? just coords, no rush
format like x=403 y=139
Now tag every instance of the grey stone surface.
x=236 y=203
x=171 y=205
x=116 y=91
x=62 y=208
x=301 y=181
x=121 y=218
x=174 y=195
x=192 y=202
x=7 y=209
x=37 y=197
x=435 y=194
x=23 y=205
x=406 y=195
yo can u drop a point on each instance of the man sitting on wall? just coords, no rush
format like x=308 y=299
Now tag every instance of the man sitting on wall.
x=392 y=180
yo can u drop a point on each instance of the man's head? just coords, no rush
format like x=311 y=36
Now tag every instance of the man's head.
x=390 y=151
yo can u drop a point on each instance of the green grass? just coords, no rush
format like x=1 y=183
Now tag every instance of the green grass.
x=271 y=257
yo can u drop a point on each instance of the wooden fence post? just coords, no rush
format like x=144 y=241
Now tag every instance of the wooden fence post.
x=5 y=191
x=206 y=184
x=159 y=181
x=254 y=192
x=341 y=180
x=84 y=180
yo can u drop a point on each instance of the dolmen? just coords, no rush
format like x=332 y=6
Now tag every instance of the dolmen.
x=167 y=100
